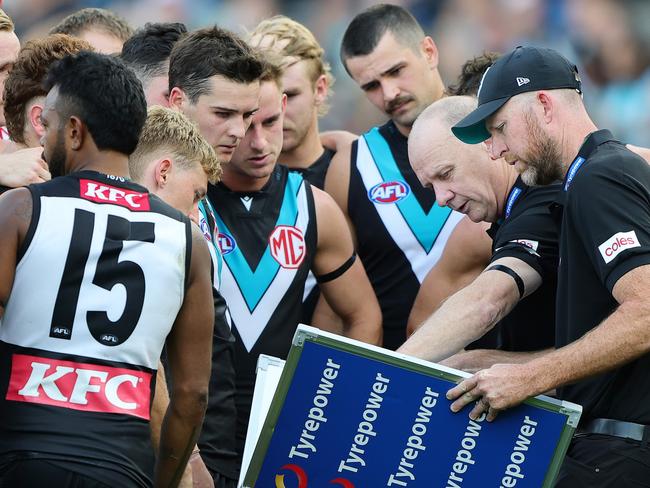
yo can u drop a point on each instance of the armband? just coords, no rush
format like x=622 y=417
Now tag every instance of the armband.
x=512 y=273
x=332 y=275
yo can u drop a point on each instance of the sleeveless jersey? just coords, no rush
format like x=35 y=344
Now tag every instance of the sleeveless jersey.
x=268 y=240
x=400 y=229
x=100 y=279
x=314 y=174
x=218 y=439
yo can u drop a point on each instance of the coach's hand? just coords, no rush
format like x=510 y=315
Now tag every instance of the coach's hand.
x=497 y=388
x=201 y=477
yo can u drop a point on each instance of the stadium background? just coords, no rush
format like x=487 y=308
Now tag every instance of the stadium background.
x=609 y=40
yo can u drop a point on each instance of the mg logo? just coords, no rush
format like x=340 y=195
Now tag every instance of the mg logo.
x=287 y=245
x=226 y=243
x=389 y=192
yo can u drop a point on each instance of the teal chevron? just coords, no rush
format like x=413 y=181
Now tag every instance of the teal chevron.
x=254 y=283
x=425 y=226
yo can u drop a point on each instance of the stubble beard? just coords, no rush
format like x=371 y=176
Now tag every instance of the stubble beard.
x=544 y=159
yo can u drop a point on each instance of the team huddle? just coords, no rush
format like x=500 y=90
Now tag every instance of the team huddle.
x=170 y=210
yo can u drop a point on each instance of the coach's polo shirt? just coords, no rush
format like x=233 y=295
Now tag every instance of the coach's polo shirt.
x=528 y=232
x=604 y=208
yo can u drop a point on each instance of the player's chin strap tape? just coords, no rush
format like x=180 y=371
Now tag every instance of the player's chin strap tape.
x=332 y=275
x=513 y=274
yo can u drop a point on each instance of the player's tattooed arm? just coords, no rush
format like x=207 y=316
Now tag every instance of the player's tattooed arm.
x=15 y=217
x=189 y=350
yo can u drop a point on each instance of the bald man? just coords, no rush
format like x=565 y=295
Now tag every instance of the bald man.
x=518 y=284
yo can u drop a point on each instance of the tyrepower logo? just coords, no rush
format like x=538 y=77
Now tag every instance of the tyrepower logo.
x=287 y=246
x=102 y=193
x=79 y=386
x=389 y=192
x=618 y=243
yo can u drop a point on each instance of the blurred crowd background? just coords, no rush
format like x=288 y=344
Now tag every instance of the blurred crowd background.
x=608 y=39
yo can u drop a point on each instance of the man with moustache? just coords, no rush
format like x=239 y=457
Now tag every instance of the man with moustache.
x=275 y=227
x=530 y=110
x=400 y=230
x=517 y=287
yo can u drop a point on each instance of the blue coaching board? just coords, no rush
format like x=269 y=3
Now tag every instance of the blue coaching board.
x=358 y=416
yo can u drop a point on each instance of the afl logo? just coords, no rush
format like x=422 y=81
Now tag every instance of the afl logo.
x=389 y=192
x=287 y=246
x=226 y=243
x=205 y=228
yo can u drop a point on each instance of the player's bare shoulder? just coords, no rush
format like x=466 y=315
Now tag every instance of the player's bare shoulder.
x=16 y=208
x=337 y=180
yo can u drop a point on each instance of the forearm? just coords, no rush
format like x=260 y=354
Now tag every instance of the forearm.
x=619 y=339
x=160 y=403
x=478 y=359
x=179 y=434
x=464 y=317
x=365 y=326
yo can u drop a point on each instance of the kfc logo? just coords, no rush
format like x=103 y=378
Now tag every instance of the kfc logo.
x=79 y=386
x=618 y=243
x=287 y=246
x=101 y=193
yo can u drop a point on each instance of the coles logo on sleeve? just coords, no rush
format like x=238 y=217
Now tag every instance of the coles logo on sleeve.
x=618 y=243
x=389 y=192
x=103 y=193
x=79 y=386
x=528 y=243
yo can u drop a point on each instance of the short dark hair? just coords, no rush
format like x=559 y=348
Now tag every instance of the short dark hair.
x=471 y=74
x=86 y=18
x=147 y=51
x=25 y=80
x=104 y=94
x=208 y=52
x=367 y=28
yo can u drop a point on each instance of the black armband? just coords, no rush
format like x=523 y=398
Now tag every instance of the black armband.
x=510 y=272
x=332 y=275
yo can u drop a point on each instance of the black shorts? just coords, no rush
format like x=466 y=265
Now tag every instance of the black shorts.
x=603 y=461
x=38 y=473
x=221 y=481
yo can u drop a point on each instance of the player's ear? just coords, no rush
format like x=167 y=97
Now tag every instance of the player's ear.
x=76 y=132
x=177 y=98
x=34 y=116
x=430 y=51
x=320 y=88
x=163 y=171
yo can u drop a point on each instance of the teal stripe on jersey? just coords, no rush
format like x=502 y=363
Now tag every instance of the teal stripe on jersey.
x=253 y=284
x=425 y=226
x=205 y=210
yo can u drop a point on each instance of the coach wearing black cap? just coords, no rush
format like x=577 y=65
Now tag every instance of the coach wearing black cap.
x=531 y=112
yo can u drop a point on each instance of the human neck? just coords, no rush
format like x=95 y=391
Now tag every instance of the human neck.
x=572 y=137
x=236 y=181
x=306 y=153
x=107 y=162
x=508 y=176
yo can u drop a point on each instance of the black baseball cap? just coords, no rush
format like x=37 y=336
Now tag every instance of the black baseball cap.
x=523 y=70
